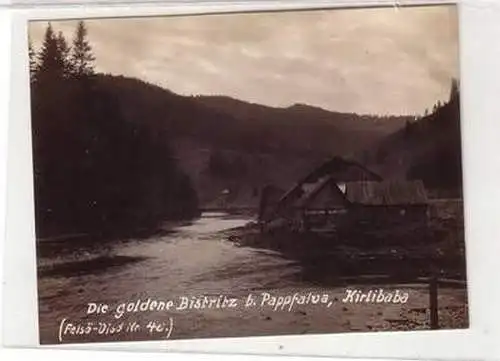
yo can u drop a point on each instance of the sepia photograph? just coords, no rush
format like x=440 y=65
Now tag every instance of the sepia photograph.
x=248 y=174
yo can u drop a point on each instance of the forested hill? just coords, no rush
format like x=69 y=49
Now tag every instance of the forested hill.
x=312 y=127
x=228 y=144
x=97 y=168
x=242 y=126
x=95 y=171
x=428 y=149
x=114 y=150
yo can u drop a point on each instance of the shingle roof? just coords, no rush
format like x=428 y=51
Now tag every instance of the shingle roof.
x=337 y=167
x=386 y=192
x=310 y=190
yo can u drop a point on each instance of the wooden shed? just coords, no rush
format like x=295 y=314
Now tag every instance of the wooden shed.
x=344 y=194
x=336 y=168
x=330 y=203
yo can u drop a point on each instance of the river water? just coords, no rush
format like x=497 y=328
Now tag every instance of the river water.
x=190 y=259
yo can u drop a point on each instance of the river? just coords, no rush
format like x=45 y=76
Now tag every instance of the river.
x=190 y=259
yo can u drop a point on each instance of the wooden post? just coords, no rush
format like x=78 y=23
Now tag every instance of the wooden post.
x=433 y=302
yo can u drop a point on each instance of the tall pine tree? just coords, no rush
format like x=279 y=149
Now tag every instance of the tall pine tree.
x=64 y=51
x=51 y=65
x=82 y=59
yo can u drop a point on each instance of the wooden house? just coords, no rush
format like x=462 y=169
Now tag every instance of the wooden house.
x=345 y=194
x=362 y=205
x=340 y=169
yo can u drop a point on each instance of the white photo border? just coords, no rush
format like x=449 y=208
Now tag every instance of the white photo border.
x=480 y=83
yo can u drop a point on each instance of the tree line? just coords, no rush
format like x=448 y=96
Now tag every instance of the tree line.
x=98 y=168
x=59 y=60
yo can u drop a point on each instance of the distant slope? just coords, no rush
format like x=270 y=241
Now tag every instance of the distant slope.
x=429 y=149
x=226 y=144
x=337 y=133
x=239 y=125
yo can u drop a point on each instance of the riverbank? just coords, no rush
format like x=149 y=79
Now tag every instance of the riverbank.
x=397 y=254
x=369 y=260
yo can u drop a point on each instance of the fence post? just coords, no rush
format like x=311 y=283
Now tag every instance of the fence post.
x=433 y=302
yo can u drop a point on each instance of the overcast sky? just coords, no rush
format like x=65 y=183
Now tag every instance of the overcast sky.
x=378 y=60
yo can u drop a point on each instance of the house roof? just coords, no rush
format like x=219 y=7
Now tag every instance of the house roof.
x=368 y=192
x=310 y=190
x=386 y=193
x=344 y=170
x=339 y=168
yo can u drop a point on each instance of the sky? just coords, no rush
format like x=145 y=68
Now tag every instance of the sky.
x=369 y=61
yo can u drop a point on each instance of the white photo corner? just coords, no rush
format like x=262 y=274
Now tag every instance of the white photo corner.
x=269 y=178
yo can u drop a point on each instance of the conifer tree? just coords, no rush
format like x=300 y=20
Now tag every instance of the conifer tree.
x=82 y=59
x=455 y=90
x=50 y=60
x=64 y=51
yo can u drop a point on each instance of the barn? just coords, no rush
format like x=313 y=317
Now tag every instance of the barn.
x=336 y=168
x=345 y=194
x=362 y=204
